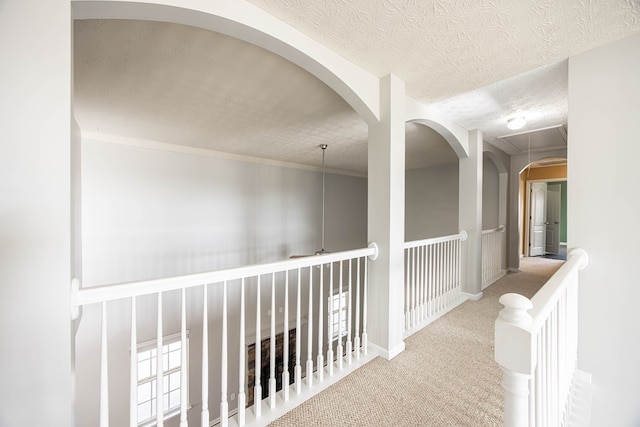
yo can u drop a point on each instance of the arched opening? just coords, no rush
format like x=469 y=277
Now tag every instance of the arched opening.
x=431 y=184
x=160 y=200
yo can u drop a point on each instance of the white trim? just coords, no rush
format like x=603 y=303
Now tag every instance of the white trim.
x=384 y=353
x=183 y=149
x=473 y=297
x=527 y=204
x=167 y=339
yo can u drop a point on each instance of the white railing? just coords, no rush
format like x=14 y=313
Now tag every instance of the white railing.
x=492 y=253
x=337 y=272
x=536 y=343
x=432 y=283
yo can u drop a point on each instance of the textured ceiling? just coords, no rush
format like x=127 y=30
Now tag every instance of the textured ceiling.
x=476 y=62
x=441 y=48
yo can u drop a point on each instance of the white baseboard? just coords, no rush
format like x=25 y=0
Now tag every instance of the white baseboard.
x=387 y=354
x=473 y=297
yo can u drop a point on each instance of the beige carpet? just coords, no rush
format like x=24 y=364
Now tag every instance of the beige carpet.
x=446 y=376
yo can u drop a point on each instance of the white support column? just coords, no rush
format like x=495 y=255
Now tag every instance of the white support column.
x=386 y=218
x=470 y=215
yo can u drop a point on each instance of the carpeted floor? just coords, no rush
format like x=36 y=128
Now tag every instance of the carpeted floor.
x=446 y=376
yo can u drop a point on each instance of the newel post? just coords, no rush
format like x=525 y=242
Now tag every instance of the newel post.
x=515 y=353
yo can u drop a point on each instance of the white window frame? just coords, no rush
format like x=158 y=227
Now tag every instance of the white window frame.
x=333 y=304
x=151 y=346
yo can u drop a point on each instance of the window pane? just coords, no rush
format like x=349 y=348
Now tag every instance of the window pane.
x=154 y=389
x=153 y=366
x=144 y=411
x=144 y=369
x=144 y=392
x=165 y=402
x=174 y=359
x=174 y=399
x=175 y=346
x=143 y=355
x=174 y=381
x=165 y=384
x=153 y=407
x=165 y=362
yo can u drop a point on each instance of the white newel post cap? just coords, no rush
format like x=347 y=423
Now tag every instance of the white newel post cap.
x=515 y=309
x=514 y=343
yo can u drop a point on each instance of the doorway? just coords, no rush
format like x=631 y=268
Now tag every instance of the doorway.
x=545 y=218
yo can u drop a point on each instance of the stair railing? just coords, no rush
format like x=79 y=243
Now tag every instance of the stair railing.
x=492 y=254
x=536 y=344
x=344 y=272
x=432 y=279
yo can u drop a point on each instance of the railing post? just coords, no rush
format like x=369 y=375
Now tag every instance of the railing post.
x=515 y=352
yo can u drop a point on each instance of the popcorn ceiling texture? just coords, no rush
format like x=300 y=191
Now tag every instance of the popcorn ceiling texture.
x=182 y=85
x=442 y=48
x=471 y=60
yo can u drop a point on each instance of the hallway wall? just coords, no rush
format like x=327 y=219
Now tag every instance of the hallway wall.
x=431 y=202
x=151 y=213
x=604 y=129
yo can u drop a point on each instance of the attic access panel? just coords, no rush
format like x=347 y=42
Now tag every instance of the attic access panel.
x=551 y=138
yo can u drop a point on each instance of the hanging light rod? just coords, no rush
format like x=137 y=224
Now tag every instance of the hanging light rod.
x=321 y=251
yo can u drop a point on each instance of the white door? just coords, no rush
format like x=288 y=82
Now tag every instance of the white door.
x=552 y=224
x=537 y=218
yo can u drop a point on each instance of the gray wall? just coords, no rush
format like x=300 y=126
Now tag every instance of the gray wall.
x=150 y=213
x=490 y=187
x=604 y=90
x=431 y=202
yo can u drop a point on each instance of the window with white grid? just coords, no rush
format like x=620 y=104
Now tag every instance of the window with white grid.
x=338 y=314
x=147 y=364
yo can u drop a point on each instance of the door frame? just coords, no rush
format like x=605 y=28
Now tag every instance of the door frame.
x=527 y=204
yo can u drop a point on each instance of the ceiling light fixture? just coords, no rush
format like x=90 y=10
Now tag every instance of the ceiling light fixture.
x=516 y=123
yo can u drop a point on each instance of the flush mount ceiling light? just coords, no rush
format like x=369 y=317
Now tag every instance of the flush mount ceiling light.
x=516 y=123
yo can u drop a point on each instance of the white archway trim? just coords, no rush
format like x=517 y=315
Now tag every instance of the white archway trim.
x=244 y=21
x=455 y=135
x=496 y=161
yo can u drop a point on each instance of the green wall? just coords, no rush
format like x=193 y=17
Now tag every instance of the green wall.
x=563 y=210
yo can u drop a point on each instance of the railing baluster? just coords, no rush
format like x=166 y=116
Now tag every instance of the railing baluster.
x=413 y=287
x=104 y=371
x=272 y=346
x=310 y=332
x=320 y=362
x=159 y=368
x=349 y=348
x=407 y=287
x=365 y=303
x=242 y=399
x=339 y=348
x=133 y=369
x=423 y=252
x=298 y=368
x=257 y=389
x=356 y=340
x=184 y=363
x=204 y=416
x=285 y=337
x=330 y=323
x=224 y=404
